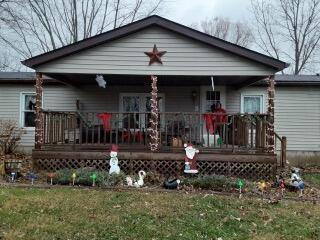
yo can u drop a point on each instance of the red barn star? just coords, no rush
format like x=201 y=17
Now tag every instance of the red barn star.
x=155 y=55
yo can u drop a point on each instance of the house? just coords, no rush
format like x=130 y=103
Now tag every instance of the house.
x=76 y=121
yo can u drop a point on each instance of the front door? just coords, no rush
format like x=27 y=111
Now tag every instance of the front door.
x=136 y=108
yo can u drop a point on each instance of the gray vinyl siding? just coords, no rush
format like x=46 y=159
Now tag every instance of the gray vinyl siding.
x=233 y=102
x=184 y=56
x=297 y=116
x=94 y=99
x=297 y=113
x=10 y=108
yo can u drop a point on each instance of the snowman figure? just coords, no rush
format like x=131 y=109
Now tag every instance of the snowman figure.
x=190 y=159
x=114 y=168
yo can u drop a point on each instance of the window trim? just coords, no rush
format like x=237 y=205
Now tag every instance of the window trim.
x=203 y=92
x=262 y=103
x=21 y=110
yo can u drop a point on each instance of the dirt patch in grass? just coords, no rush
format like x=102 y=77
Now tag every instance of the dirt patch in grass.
x=89 y=214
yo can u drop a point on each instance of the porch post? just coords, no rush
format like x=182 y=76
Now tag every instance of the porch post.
x=38 y=108
x=154 y=133
x=270 y=126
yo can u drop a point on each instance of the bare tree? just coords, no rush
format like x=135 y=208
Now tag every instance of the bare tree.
x=34 y=26
x=288 y=29
x=235 y=32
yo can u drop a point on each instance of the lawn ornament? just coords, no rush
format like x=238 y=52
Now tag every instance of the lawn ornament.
x=101 y=82
x=114 y=167
x=280 y=184
x=32 y=176
x=51 y=175
x=142 y=174
x=296 y=180
x=171 y=184
x=94 y=178
x=240 y=184
x=129 y=181
x=190 y=159
x=73 y=176
x=262 y=186
x=13 y=176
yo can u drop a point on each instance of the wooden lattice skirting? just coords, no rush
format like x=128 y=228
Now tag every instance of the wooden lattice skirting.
x=246 y=166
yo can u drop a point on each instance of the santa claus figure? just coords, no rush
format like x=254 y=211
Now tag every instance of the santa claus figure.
x=190 y=159
x=114 y=167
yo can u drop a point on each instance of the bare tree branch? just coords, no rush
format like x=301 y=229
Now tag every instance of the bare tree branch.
x=235 y=32
x=31 y=27
x=290 y=25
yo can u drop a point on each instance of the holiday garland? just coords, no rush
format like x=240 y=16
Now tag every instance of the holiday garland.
x=38 y=119
x=270 y=126
x=154 y=133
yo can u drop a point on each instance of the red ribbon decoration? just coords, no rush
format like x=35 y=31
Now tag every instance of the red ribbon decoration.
x=209 y=119
x=105 y=118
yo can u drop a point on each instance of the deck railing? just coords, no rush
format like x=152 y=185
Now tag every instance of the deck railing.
x=230 y=132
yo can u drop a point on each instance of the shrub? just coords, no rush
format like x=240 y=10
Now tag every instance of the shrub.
x=114 y=179
x=154 y=178
x=83 y=177
x=63 y=176
x=213 y=182
x=10 y=135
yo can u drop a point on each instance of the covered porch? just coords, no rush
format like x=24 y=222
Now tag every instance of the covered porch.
x=236 y=144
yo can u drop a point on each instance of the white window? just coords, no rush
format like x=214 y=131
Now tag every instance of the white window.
x=212 y=98
x=27 y=109
x=208 y=97
x=252 y=103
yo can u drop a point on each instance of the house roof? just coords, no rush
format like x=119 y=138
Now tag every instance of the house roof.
x=287 y=79
x=23 y=76
x=20 y=77
x=154 y=21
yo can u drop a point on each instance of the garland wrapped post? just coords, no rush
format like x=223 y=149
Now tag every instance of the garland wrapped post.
x=154 y=133
x=38 y=107
x=270 y=126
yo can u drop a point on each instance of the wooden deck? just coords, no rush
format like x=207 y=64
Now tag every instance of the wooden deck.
x=257 y=166
x=74 y=141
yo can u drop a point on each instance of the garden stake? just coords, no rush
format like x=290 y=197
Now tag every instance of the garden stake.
x=73 y=178
x=301 y=188
x=32 y=176
x=283 y=187
x=13 y=175
x=240 y=184
x=51 y=176
x=94 y=177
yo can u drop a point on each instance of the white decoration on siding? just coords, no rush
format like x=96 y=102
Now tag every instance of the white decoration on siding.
x=101 y=82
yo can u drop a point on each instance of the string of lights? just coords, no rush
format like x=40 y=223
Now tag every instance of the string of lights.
x=38 y=106
x=270 y=126
x=154 y=133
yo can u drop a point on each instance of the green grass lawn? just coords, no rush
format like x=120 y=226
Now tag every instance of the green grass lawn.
x=89 y=214
x=313 y=178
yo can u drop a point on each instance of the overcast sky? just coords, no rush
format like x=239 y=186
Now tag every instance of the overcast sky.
x=193 y=11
